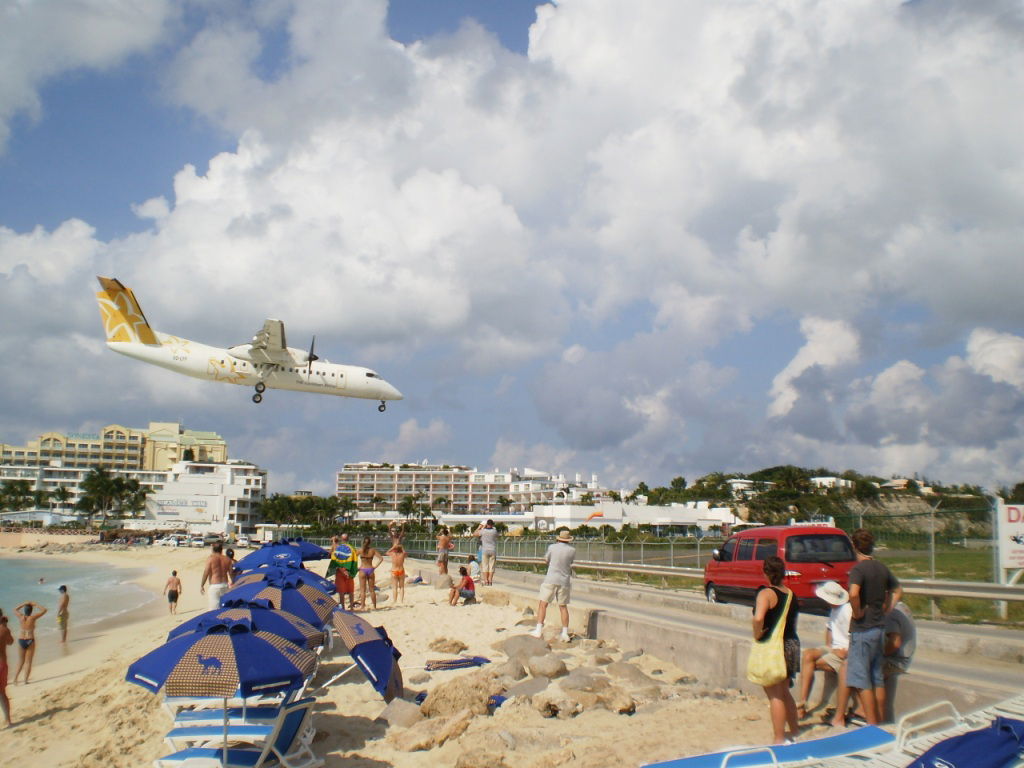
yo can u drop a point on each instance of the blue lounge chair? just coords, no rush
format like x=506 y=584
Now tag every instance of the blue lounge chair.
x=801 y=752
x=236 y=716
x=288 y=745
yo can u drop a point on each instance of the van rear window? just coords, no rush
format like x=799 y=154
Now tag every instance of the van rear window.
x=819 y=548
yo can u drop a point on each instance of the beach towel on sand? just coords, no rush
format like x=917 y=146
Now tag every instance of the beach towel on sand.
x=998 y=745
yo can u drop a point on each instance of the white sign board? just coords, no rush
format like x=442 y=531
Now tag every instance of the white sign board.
x=1010 y=535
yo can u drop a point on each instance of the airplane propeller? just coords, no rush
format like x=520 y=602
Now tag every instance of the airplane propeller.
x=312 y=356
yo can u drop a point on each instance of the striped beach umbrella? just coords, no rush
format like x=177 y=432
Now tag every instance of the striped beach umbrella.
x=304 y=601
x=274 y=553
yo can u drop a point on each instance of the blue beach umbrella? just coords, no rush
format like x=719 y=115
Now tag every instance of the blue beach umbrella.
x=224 y=662
x=278 y=575
x=305 y=601
x=274 y=553
x=308 y=549
x=372 y=651
x=281 y=623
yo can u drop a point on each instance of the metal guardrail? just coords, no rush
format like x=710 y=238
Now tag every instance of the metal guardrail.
x=977 y=590
x=660 y=560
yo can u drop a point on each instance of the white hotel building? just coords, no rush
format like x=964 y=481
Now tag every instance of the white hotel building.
x=198 y=497
x=466 y=490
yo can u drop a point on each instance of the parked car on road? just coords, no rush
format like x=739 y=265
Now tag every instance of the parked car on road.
x=242 y=541
x=813 y=553
x=197 y=541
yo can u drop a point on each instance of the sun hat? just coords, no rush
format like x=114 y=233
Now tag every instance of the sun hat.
x=832 y=593
x=564 y=536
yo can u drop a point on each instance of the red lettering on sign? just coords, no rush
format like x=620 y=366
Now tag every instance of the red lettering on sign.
x=1013 y=515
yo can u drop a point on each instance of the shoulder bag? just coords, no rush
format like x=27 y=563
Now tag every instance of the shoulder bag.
x=766 y=664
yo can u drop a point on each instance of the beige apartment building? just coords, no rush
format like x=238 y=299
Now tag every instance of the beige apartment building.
x=118 y=448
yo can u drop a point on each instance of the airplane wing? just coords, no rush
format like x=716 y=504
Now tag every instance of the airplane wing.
x=269 y=345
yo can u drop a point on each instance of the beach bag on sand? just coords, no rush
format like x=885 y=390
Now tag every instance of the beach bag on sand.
x=766 y=664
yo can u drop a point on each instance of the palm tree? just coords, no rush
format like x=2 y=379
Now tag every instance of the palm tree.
x=15 y=495
x=346 y=506
x=62 y=496
x=99 y=492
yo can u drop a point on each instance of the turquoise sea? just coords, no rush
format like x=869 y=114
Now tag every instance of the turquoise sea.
x=98 y=593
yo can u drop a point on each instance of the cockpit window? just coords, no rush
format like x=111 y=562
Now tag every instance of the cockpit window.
x=371 y=375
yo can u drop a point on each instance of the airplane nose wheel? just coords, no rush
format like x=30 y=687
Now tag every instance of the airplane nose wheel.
x=257 y=398
x=382 y=407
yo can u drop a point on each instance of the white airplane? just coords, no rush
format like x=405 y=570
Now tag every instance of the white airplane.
x=266 y=362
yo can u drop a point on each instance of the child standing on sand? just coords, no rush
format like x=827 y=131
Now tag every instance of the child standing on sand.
x=398 y=555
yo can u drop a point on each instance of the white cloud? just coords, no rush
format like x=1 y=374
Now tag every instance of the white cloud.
x=549 y=458
x=40 y=40
x=412 y=443
x=999 y=355
x=830 y=343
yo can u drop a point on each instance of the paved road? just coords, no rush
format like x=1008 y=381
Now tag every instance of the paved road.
x=692 y=611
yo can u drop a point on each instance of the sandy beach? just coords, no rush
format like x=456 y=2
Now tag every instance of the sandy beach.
x=623 y=709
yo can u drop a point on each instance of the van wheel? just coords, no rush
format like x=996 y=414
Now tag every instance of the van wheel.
x=712 y=594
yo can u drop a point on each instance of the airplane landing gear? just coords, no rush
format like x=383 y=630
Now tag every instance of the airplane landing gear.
x=382 y=407
x=260 y=387
x=257 y=398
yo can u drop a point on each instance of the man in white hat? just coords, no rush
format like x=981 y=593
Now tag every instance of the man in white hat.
x=832 y=657
x=556 y=586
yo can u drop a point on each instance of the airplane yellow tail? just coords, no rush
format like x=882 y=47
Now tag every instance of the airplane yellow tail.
x=122 y=316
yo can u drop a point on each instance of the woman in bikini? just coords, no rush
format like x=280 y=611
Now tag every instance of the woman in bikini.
x=367 y=572
x=27 y=638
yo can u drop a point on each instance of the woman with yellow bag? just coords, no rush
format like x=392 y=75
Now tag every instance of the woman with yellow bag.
x=775 y=653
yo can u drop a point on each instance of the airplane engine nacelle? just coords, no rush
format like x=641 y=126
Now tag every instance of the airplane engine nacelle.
x=241 y=352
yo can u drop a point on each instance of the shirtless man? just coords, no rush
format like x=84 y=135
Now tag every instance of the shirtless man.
x=62 y=612
x=218 y=572
x=398 y=555
x=27 y=637
x=172 y=589
x=444 y=546
x=6 y=638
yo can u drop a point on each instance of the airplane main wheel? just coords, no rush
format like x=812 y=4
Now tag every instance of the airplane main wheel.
x=257 y=398
x=382 y=407
x=261 y=388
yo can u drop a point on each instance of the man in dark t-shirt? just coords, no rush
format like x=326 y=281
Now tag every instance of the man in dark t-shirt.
x=873 y=593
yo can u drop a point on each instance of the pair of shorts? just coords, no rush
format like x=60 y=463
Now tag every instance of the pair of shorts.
x=791 y=650
x=25 y=644
x=214 y=592
x=442 y=556
x=172 y=595
x=834 y=662
x=398 y=575
x=344 y=583
x=864 y=664
x=487 y=561
x=555 y=593
x=469 y=594
x=62 y=620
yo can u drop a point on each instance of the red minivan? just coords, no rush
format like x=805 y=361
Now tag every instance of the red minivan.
x=813 y=553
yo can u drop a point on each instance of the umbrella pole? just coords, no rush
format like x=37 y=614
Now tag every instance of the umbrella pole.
x=224 y=761
x=337 y=677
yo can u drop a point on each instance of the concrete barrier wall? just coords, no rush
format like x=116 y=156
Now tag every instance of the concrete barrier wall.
x=11 y=540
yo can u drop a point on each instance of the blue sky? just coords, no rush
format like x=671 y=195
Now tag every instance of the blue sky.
x=637 y=240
